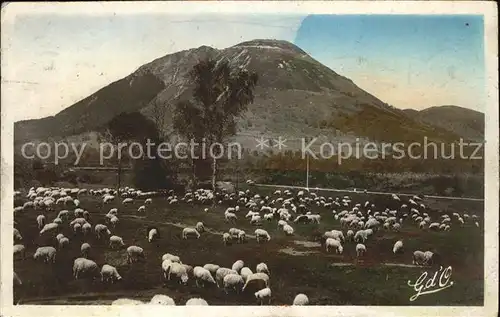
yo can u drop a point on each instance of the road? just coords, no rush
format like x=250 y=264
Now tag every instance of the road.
x=367 y=192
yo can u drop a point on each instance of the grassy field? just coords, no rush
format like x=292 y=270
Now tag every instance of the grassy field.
x=297 y=263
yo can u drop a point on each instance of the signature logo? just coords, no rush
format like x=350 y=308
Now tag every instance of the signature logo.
x=427 y=284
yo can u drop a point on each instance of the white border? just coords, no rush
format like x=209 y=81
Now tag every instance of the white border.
x=488 y=9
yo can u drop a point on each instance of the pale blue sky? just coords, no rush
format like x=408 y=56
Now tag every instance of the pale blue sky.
x=51 y=61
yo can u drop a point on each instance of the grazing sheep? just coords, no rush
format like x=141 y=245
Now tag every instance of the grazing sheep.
x=241 y=236
x=100 y=229
x=221 y=273
x=153 y=235
x=58 y=221
x=419 y=258
x=264 y=293
x=350 y=235
x=333 y=243
x=430 y=258
x=196 y=302
x=261 y=279
x=50 y=227
x=141 y=209
x=231 y=217
x=190 y=232
x=85 y=268
x=179 y=271
x=238 y=265
x=126 y=301
x=17 y=235
x=203 y=276
x=109 y=274
x=233 y=281
x=212 y=268
x=226 y=238
x=48 y=254
x=245 y=273
x=134 y=253
x=200 y=227
x=398 y=247
x=20 y=250
x=85 y=250
x=361 y=236
x=148 y=201
x=86 y=228
x=171 y=257
x=116 y=242
x=360 y=249
x=160 y=299
x=114 y=221
x=262 y=268
x=79 y=220
x=288 y=230
x=127 y=201
x=300 y=300
x=281 y=223
x=40 y=220
x=262 y=234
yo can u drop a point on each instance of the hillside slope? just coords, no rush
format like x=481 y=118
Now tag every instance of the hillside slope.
x=296 y=97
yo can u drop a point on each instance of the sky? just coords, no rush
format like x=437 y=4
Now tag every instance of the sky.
x=50 y=61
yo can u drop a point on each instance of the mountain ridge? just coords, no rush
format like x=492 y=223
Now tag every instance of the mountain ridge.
x=296 y=95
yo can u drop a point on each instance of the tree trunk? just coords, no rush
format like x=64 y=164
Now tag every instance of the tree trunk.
x=119 y=173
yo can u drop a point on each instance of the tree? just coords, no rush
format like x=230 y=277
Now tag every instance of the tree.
x=220 y=95
x=149 y=172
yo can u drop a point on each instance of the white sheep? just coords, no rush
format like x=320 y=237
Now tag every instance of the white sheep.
x=86 y=228
x=226 y=238
x=288 y=230
x=221 y=273
x=50 y=227
x=233 y=281
x=241 y=236
x=262 y=234
x=171 y=257
x=63 y=242
x=152 y=234
x=230 y=217
x=179 y=271
x=40 y=220
x=100 y=229
x=419 y=258
x=212 y=268
x=262 y=268
x=238 y=265
x=20 y=250
x=264 y=293
x=17 y=235
x=202 y=276
x=126 y=301
x=114 y=221
x=116 y=242
x=190 y=232
x=200 y=227
x=109 y=274
x=196 y=302
x=350 y=235
x=281 y=223
x=259 y=278
x=245 y=273
x=85 y=267
x=48 y=254
x=127 y=201
x=301 y=300
x=85 y=249
x=160 y=299
x=134 y=253
x=360 y=249
x=141 y=209
x=148 y=201
x=335 y=244
x=81 y=221
x=398 y=247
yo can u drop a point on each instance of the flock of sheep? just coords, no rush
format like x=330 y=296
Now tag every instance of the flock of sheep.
x=359 y=222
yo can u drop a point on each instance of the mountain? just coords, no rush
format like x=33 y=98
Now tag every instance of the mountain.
x=461 y=121
x=296 y=96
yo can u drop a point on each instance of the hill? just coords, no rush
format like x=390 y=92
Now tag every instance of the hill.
x=296 y=96
x=461 y=121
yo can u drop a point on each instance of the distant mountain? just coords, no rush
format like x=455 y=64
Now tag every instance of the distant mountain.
x=464 y=122
x=296 y=96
